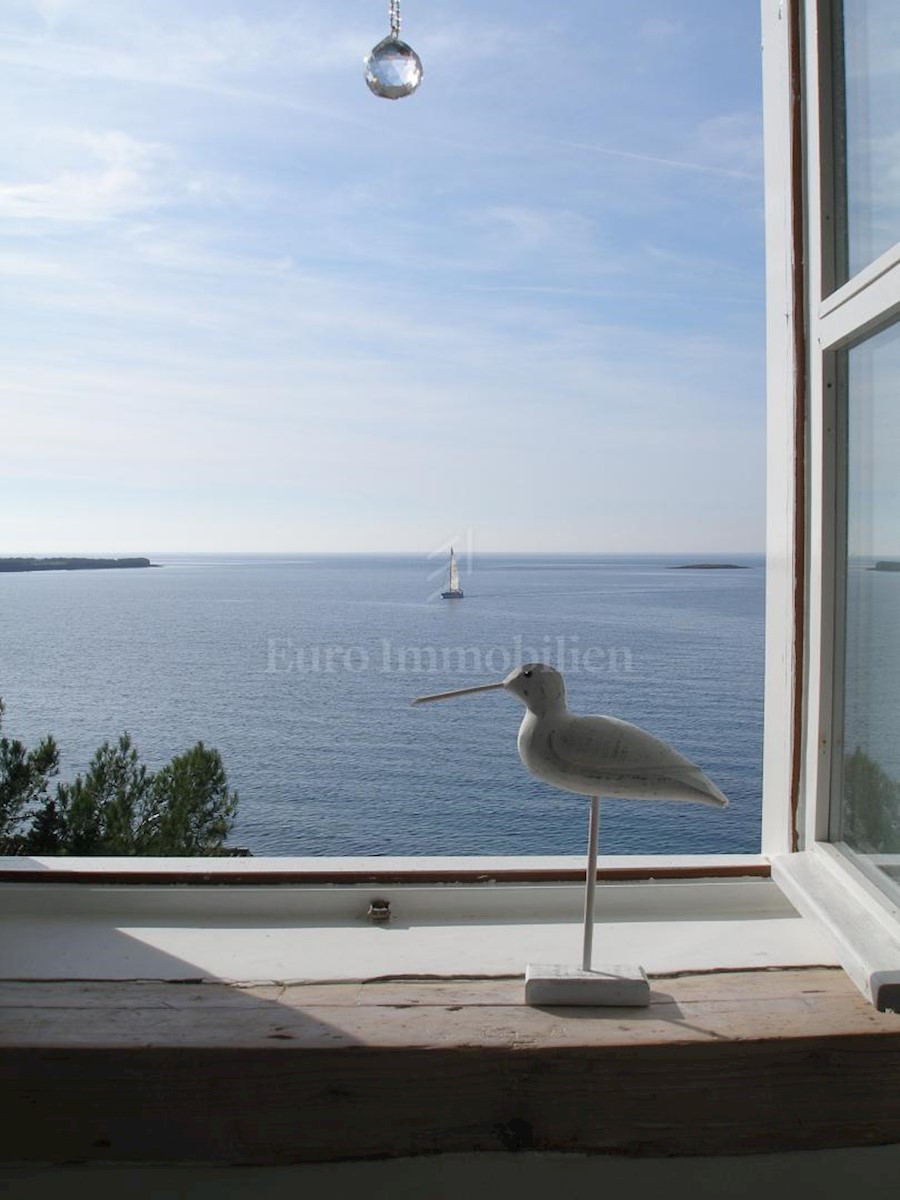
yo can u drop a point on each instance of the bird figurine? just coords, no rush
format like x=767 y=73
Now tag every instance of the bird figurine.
x=593 y=756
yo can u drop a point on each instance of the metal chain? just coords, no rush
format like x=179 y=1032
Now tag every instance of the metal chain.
x=394 y=10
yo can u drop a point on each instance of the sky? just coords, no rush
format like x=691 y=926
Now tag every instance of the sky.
x=245 y=305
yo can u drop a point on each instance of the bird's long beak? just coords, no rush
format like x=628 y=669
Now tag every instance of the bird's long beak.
x=484 y=687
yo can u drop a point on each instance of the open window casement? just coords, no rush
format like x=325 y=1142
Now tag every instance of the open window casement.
x=832 y=815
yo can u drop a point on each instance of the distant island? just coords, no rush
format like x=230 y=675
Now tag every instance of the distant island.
x=709 y=566
x=886 y=565
x=71 y=564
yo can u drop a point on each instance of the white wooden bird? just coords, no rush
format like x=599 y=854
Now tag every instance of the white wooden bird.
x=593 y=756
x=597 y=755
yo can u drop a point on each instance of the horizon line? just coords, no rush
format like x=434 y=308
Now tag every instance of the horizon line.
x=432 y=554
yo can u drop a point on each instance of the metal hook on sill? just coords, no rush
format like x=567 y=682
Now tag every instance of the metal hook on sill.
x=379 y=911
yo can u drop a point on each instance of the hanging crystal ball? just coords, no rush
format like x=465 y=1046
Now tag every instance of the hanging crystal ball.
x=393 y=69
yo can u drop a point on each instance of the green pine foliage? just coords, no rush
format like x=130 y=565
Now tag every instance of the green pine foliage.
x=118 y=807
x=871 y=806
x=24 y=782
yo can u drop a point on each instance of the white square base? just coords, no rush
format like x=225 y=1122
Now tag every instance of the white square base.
x=609 y=985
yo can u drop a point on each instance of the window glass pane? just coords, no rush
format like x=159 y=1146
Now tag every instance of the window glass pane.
x=870 y=816
x=866 y=132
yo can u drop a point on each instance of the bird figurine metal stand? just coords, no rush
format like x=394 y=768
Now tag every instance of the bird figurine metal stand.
x=593 y=756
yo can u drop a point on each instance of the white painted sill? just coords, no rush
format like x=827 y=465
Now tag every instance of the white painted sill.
x=314 y=932
x=299 y=870
x=307 y=919
x=858 y=919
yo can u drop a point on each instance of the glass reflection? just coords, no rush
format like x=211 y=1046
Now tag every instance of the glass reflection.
x=869 y=820
x=866 y=43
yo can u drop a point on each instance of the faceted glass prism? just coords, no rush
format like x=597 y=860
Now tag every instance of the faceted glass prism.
x=393 y=69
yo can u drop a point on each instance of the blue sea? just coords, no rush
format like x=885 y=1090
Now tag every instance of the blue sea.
x=300 y=670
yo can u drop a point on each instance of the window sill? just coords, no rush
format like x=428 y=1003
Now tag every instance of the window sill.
x=749 y=1062
x=858 y=920
x=301 y=931
x=300 y=871
x=277 y=1023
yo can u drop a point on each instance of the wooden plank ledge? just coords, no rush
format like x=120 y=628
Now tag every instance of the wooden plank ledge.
x=721 y=1063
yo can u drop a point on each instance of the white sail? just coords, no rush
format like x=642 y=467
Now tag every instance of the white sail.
x=453 y=586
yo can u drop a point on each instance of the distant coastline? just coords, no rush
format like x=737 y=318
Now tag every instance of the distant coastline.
x=72 y=564
x=710 y=566
x=886 y=565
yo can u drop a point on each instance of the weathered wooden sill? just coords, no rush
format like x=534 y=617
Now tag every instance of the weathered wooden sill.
x=721 y=1063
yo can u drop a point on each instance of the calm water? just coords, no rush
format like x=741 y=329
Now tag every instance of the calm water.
x=301 y=671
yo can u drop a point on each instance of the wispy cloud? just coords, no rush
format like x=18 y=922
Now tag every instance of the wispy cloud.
x=546 y=229
x=655 y=160
x=173 y=46
x=120 y=176
x=664 y=29
x=731 y=143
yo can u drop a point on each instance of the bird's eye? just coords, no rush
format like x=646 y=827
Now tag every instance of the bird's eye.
x=528 y=674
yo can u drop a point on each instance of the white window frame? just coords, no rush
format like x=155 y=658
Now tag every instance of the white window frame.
x=809 y=322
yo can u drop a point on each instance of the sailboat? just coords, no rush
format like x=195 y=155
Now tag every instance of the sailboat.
x=453 y=591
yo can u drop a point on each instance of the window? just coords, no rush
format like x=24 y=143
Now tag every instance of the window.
x=861 y=38
x=864 y=370
x=286 y=316
x=834 y=268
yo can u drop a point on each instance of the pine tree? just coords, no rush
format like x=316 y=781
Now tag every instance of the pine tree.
x=118 y=807
x=24 y=779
